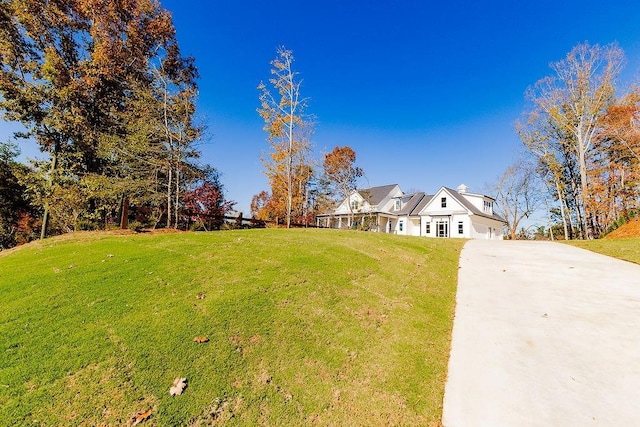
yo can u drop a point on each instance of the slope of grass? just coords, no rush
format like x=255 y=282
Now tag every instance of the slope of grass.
x=626 y=249
x=304 y=326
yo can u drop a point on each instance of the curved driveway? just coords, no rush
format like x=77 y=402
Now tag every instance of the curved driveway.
x=545 y=334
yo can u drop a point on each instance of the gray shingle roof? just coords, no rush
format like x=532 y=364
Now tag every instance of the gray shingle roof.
x=411 y=204
x=375 y=195
x=421 y=204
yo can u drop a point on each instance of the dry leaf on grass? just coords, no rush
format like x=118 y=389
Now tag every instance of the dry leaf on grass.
x=201 y=295
x=140 y=417
x=200 y=339
x=179 y=384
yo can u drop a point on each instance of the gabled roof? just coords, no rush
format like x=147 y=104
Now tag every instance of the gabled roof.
x=411 y=204
x=469 y=206
x=375 y=195
x=421 y=204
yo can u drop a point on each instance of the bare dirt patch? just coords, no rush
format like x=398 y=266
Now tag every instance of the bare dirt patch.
x=626 y=231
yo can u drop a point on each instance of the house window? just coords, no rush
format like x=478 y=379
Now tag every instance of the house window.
x=427 y=229
x=397 y=207
x=443 y=202
x=400 y=225
x=487 y=206
x=460 y=227
x=354 y=205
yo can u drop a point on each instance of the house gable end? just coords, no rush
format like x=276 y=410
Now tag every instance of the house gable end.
x=355 y=197
x=387 y=204
x=453 y=204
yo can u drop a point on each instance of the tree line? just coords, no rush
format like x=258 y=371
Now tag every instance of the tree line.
x=105 y=92
x=582 y=139
x=300 y=186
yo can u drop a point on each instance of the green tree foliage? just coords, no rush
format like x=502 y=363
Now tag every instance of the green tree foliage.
x=17 y=214
x=103 y=89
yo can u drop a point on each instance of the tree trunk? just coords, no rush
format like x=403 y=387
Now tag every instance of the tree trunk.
x=562 y=210
x=289 y=167
x=169 y=197
x=177 y=199
x=124 y=215
x=584 y=194
x=45 y=216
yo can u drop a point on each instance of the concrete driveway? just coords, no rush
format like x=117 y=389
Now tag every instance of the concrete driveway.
x=545 y=334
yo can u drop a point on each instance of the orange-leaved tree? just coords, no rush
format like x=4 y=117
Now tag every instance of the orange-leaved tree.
x=615 y=174
x=342 y=173
x=288 y=127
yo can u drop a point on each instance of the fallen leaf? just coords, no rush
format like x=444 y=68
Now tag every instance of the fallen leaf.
x=179 y=384
x=140 y=417
x=200 y=339
x=201 y=295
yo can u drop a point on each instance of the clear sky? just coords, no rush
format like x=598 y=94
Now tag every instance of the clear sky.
x=425 y=92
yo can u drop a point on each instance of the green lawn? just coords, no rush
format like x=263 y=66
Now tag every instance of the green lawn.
x=626 y=249
x=305 y=326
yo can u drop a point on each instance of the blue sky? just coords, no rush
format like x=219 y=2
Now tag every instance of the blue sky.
x=425 y=92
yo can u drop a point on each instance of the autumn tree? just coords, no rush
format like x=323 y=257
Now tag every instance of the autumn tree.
x=205 y=202
x=570 y=104
x=103 y=89
x=342 y=173
x=615 y=171
x=259 y=204
x=288 y=127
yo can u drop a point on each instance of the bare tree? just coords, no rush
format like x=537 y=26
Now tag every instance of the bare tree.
x=518 y=194
x=573 y=100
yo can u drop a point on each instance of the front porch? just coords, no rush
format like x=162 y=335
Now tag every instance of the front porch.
x=378 y=222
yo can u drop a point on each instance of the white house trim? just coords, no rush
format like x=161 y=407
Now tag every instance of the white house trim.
x=448 y=213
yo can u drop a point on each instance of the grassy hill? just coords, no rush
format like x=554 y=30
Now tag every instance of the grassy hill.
x=627 y=249
x=304 y=326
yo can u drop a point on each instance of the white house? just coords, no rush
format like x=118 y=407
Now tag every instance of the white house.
x=447 y=213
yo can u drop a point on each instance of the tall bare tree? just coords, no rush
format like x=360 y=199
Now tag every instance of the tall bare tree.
x=288 y=127
x=572 y=102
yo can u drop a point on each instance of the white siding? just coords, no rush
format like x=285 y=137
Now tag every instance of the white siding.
x=414 y=227
x=453 y=214
x=466 y=226
x=434 y=207
x=387 y=204
x=485 y=228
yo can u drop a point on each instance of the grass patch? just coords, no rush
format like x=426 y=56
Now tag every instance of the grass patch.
x=304 y=326
x=625 y=249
